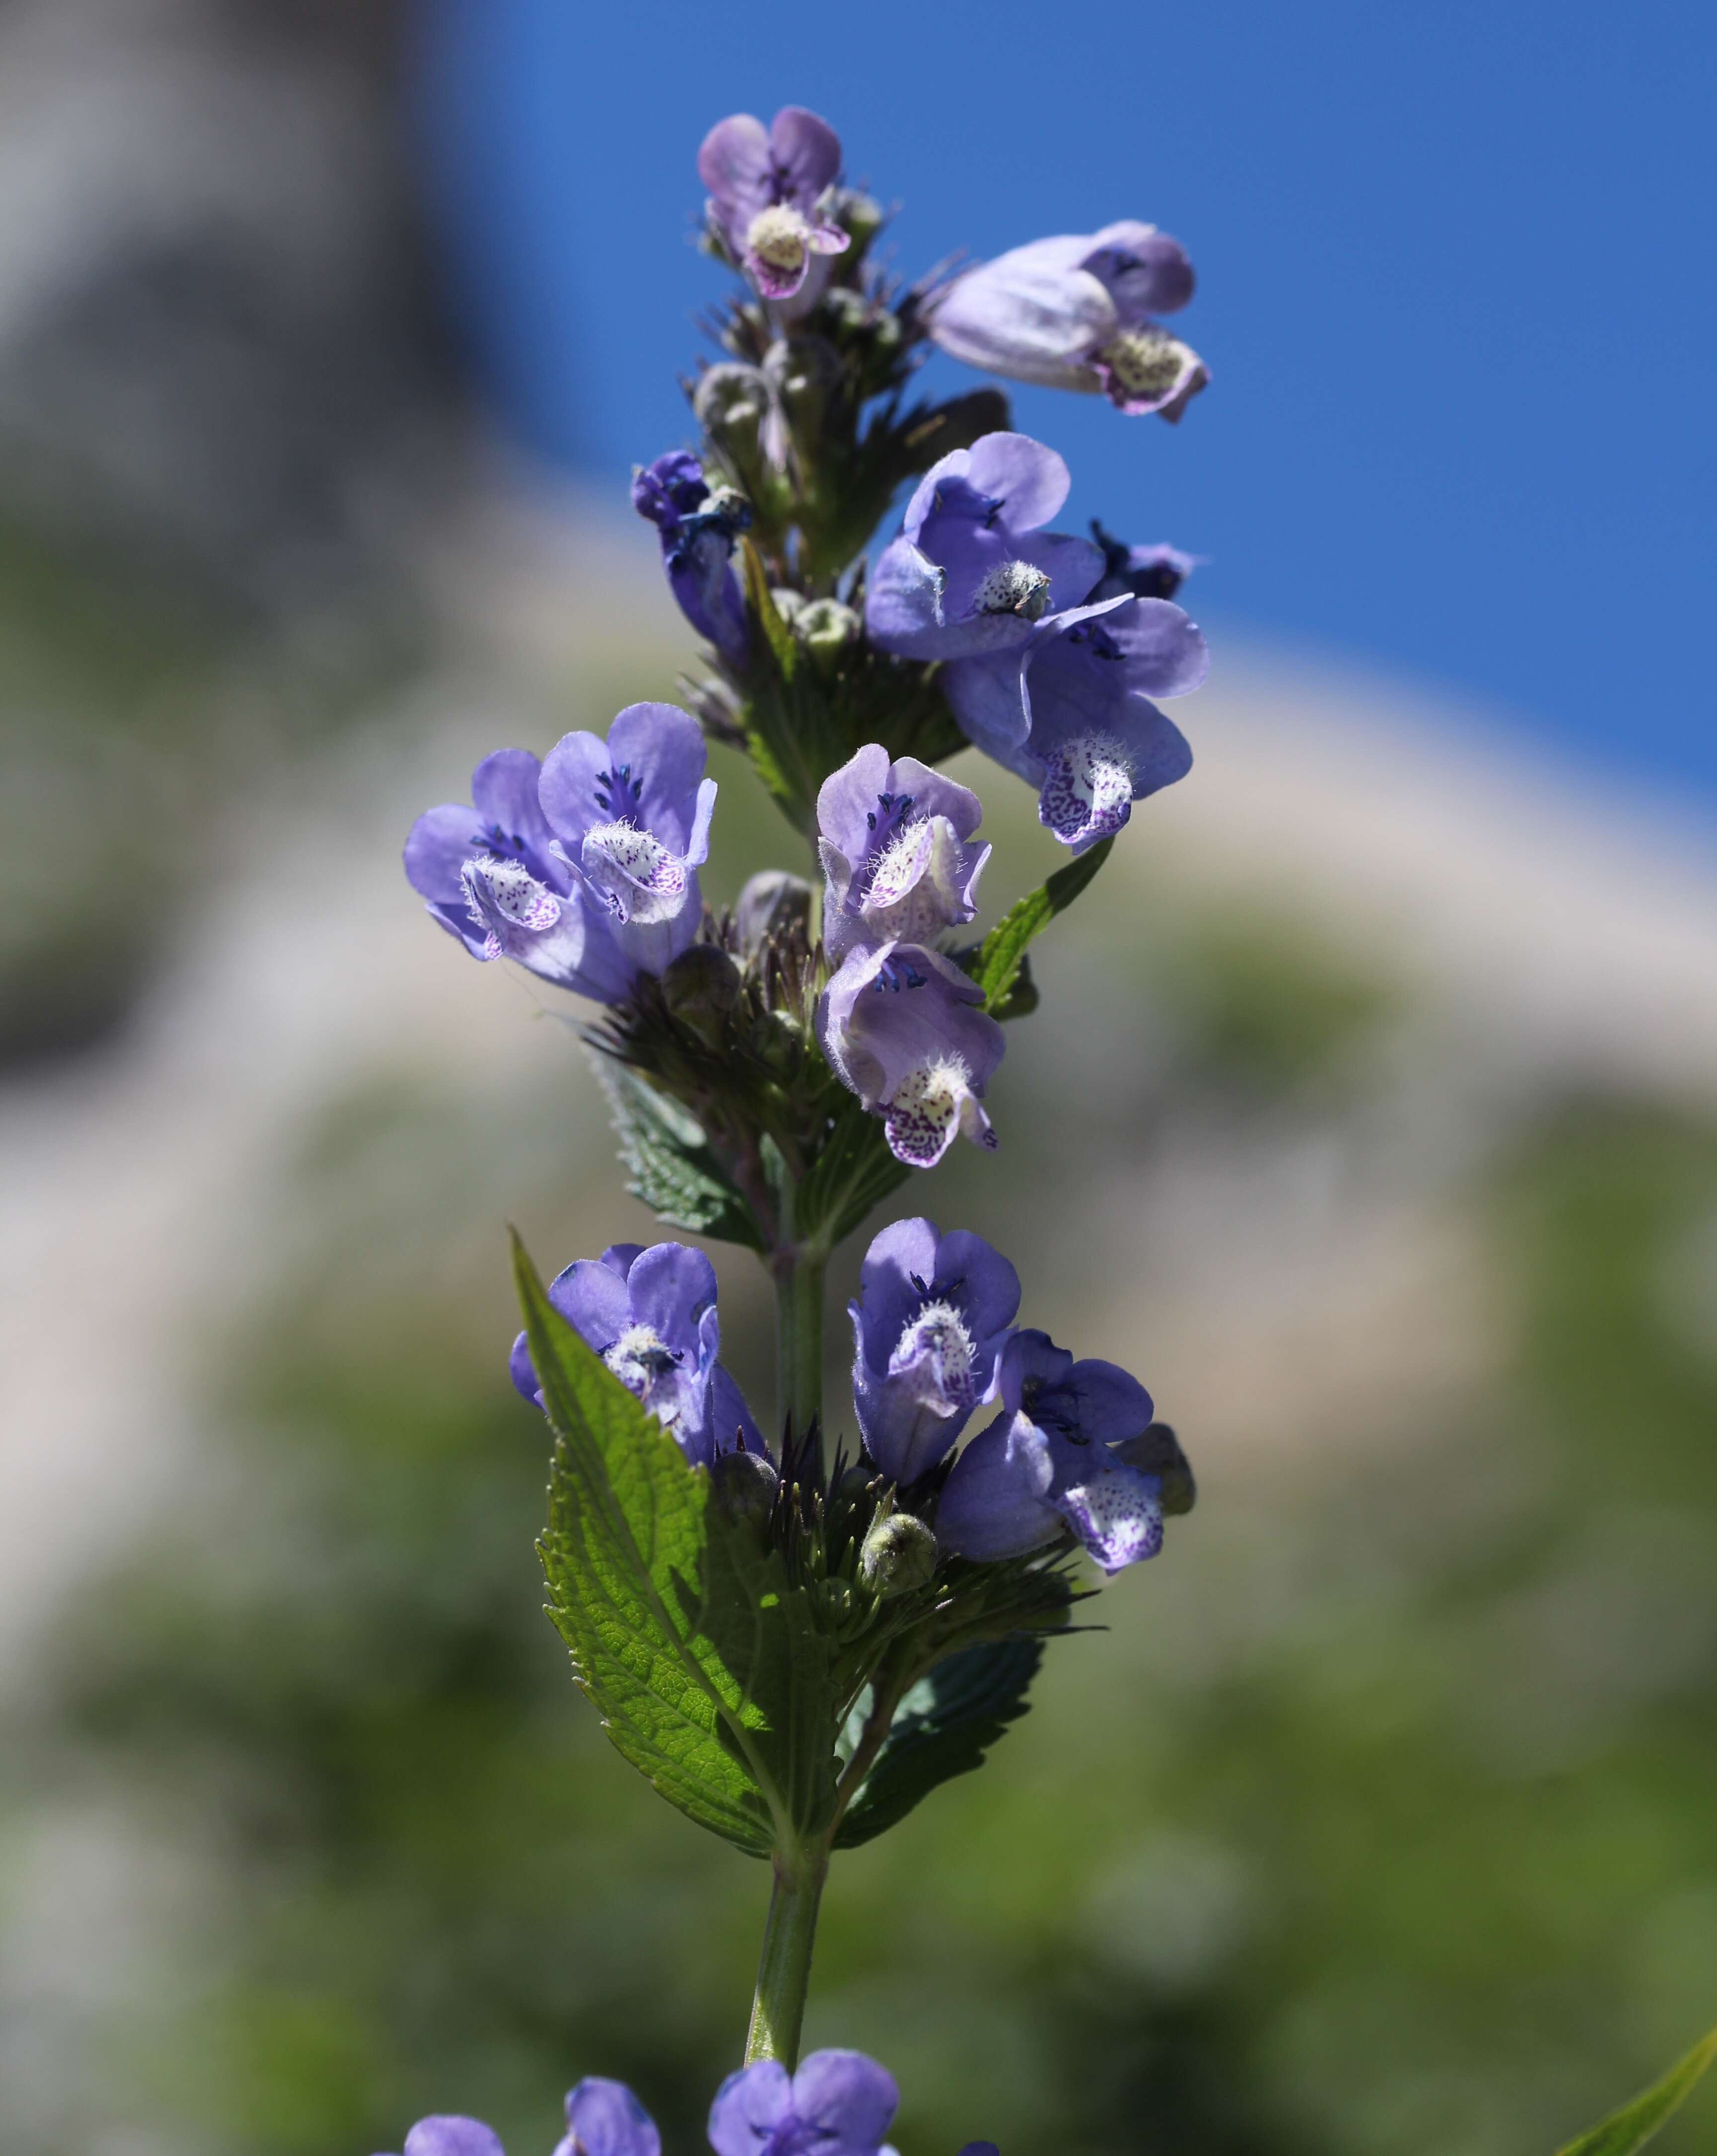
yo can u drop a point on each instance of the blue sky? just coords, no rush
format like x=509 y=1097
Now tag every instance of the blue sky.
x=1455 y=291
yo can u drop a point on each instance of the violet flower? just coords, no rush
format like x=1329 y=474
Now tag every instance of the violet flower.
x=894 y=852
x=1070 y=710
x=1075 y=312
x=650 y=1314
x=1056 y=1458
x=765 y=195
x=972 y=569
x=697 y=526
x=448 y=2135
x=928 y=1328
x=493 y=877
x=903 y=1028
x=838 y=2103
x=604 y=2118
x=630 y=816
x=1147 y=572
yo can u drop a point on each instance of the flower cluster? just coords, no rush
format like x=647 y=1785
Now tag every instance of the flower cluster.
x=840 y=2103
x=902 y=1025
x=793 y=1649
x=1047 y=670
x=1073 y=1451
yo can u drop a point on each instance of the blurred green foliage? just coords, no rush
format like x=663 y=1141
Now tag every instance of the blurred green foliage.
x=1381 y=1821
x=134 y=714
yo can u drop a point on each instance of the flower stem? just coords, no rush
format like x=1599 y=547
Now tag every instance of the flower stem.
x=785 y=1972
x=798 y=1338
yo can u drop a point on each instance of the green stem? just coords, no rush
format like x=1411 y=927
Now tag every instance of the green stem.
x=798 y=1337
x=785 y=1972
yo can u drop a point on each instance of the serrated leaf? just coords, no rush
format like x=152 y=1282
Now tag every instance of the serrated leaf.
x=670 y=1166
x=1630 y=2129
x=943 y=1728
x=1003 y=950
x=704 y=1662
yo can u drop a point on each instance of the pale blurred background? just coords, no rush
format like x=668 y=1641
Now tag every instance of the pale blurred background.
x=1371 y=1114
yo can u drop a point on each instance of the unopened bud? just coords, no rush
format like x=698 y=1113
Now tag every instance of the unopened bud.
x=732 y=405
x=804 y=370
x=826 y=629
x=700 y=988
x=899 y=1553
x=745 y=1487
x=771 y=903
x=859 y=216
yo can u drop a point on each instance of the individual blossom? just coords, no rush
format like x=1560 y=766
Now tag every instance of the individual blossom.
x=448 y=2135
x=630 y=816
x=766 y=195
x=931 y=1318
x=604 y=2119
x=650 y=1314
x=838 y=2103
x=893 y=840
x=493 y=877
x=1076 y=312
x=903 y=1028
x=1147 y=572
x=972 y=568
x=698 y=525
x=1071 y=711
x=1056 y=1458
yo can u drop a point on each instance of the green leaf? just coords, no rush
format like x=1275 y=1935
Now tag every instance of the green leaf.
x=670 y=1166
x=943 y=1727
x=760 y=600
x=853 y=1173
x=1002 y=952
x=704 y=1662
x=1630 y=2127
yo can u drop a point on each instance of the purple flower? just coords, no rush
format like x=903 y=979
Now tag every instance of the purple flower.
x=604 y=2118
x=1056 y=1458
x=1075 y=313
x=929 y=1329
x=493 y=878
x=650 y=1314
x=1148 y=572
x=697 y=526
x=972 y=569
x=448 y=2135
x=1070 y=710
x=894 y=853
x=631 y=816
x=902 y=1028
x=765 y=193
x=838 y=2103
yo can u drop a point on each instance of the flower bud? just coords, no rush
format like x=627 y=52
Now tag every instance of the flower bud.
x=804 y=372
x=859 y=216
x=745 y=1487
x=771 y=903
x=826 y=629
x=731 y=402
x=899 y=1553
x=700 y=988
